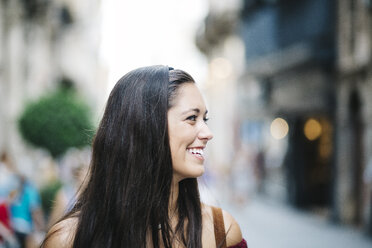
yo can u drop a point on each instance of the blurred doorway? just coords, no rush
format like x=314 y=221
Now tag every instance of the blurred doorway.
x=356 y=152
x=308 y=162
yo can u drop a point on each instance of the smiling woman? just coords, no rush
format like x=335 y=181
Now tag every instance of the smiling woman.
x=142 y=189
x=188 y=132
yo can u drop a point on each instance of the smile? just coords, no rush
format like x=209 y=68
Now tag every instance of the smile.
x=197 y=152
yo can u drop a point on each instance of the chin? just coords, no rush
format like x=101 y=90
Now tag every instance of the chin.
x=198 y=173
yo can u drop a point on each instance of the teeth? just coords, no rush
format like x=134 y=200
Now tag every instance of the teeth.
x=196 y=151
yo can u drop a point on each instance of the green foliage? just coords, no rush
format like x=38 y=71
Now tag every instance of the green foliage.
x=57 y=122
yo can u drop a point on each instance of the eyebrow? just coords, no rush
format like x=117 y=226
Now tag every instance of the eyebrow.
x=194 y=110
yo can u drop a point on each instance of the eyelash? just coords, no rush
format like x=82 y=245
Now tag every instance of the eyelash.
x=193 y=118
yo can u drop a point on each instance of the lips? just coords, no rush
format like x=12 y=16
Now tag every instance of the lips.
x=197 y=152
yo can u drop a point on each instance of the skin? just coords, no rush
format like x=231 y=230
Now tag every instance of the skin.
x=187 y=129
x=64 y=231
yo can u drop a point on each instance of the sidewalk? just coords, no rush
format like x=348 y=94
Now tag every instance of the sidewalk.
x=267 y=224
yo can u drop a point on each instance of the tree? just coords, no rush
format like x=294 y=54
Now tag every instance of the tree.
x=56 y=122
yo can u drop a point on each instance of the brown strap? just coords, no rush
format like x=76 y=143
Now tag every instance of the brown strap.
x=219 y=227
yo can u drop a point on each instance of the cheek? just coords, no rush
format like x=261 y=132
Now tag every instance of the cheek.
x=179 y=141
x=178 y=152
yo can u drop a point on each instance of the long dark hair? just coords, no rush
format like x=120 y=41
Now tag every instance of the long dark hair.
x=126 y=196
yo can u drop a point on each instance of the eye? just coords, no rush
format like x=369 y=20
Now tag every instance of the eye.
x=191 y=118
x=205 y=119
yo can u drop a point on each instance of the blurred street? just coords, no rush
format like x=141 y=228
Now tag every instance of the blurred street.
x=288 y=87
x=267 y=223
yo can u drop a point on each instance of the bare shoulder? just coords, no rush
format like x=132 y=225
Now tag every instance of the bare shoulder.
x=208 y=238
x=232 y=228
x=61 y=234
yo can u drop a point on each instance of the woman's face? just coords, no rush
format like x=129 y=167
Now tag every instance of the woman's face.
x=188 y=132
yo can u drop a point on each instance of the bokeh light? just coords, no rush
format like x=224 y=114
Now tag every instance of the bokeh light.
x=279 y=128
x=312 y=129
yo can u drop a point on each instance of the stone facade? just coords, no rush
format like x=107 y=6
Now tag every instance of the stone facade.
x=308 y=59
x=42 y=42
x=354 y=112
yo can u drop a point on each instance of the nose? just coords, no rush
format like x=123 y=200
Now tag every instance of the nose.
x=205 y=133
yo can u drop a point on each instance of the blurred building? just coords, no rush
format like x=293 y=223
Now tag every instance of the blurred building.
x=225 y=52
x=41 y=43
x=309 y=63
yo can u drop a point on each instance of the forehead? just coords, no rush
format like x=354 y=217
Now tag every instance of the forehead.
x=188 y=96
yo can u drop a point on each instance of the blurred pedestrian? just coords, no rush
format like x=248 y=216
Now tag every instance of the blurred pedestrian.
x=8 y=176
x=8 y=184
x=260 y=170
x=7 y=238
x=242 y=175
x=142 y=189
x=26 y=214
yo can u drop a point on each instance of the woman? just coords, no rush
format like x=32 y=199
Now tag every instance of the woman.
x=142 y=189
